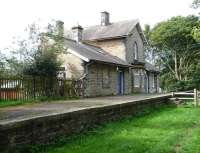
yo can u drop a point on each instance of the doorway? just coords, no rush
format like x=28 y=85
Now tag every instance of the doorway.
x=120 y=82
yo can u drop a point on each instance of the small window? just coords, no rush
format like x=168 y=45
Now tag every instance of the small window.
x=135 y=51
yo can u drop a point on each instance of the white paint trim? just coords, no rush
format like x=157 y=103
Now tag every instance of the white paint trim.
x=77 y=54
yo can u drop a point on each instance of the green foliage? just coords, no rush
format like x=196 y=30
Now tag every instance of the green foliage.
x=196 y=33
x=44 y=64
x=45 y=61
x=178 y=51
x=2 y=65
x=36 y=53
x=174 y=34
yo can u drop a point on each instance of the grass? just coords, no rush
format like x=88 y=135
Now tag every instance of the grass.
x=13 y=103
x=8 y=103
x=164 y=130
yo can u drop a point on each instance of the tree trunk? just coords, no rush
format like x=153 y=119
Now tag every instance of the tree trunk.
x=176 y=66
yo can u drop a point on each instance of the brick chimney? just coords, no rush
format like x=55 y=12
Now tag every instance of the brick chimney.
x=105 y=18
x=77 y=33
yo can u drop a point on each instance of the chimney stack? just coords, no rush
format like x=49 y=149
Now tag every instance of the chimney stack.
x=105 y=18
x=77 y=32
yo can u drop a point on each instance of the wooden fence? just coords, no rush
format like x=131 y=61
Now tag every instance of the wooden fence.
x=187 y=95
x=26 y=88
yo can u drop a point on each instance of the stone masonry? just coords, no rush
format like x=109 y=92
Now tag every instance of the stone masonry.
x=43 y=129
x=95 y=78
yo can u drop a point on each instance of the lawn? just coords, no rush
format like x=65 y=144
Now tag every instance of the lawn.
x=164 y=130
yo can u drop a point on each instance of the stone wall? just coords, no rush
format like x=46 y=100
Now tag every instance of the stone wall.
x=123 y=47
x=44 y=129
x=130 y=40
x=95 y=78
x=115 y=47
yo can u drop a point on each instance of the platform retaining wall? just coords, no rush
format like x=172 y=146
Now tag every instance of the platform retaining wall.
x=44 y=129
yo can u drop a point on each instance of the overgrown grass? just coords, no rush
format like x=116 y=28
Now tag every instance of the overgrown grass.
x=164 y=130
x=8 y=103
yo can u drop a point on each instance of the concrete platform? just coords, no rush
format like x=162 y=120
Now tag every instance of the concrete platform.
x=30 y=111
x=43 y=122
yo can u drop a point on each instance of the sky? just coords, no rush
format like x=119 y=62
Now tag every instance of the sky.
x=15 y=15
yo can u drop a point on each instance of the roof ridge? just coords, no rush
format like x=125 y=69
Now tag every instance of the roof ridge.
x=98 y=25
x=114 y=30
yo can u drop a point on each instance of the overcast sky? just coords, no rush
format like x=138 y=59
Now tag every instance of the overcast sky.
x=15 y=15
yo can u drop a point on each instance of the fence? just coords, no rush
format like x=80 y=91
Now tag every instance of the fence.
x=187 y=95
x=26 y=88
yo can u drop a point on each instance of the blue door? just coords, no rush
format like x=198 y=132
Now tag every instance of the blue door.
x=120 y=83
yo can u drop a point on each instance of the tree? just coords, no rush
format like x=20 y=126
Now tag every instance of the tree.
x=150 y=54
x=196 y=29
x=196 y=4
x=176 y=47
x=38 y=52
x=196 y=33
x=2 y=65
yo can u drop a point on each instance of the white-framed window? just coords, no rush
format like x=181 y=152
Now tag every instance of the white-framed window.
x=135 y=51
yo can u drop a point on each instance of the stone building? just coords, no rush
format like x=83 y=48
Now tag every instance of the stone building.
x=110 y=58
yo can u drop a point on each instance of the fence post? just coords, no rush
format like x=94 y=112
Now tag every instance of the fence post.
x=172 y=94
x=195 y=97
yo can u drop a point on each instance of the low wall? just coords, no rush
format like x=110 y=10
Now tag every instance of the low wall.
x=44 y=129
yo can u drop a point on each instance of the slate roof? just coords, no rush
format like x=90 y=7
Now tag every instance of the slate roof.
x=93 y=53
x=117 y=29
x=151 y=68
